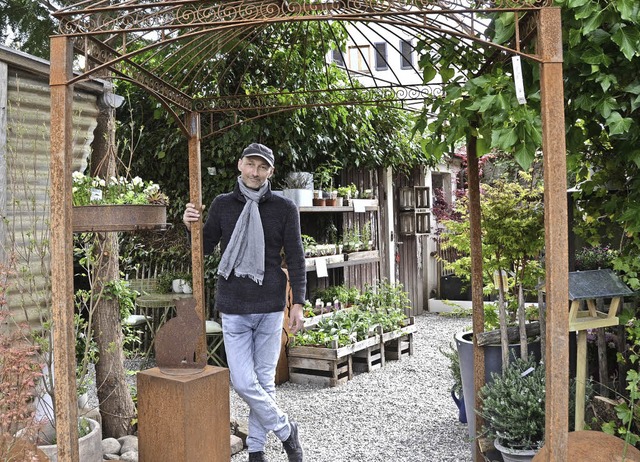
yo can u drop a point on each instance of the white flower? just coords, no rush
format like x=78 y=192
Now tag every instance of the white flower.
x=77 y=176
x=137 y=181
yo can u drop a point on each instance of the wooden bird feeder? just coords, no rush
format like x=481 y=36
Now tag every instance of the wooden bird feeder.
x=585 y=287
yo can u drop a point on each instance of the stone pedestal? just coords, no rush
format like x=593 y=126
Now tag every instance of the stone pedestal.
x=184 y=417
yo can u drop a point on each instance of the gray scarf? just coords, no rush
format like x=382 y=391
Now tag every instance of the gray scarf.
x=244 y=254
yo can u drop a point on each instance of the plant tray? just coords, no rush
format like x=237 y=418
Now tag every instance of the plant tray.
x=111 y=218
x=325 y=366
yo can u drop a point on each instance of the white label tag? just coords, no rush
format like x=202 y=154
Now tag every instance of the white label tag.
x=321 y=268
x=96 y=195
x=517 y=78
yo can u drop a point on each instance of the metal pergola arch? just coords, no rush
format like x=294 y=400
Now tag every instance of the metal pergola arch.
x=156 y=43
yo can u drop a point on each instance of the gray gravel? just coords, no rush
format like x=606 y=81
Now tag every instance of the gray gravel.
x=402 y=412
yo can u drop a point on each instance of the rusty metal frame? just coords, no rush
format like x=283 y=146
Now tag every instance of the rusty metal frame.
x=124 y=37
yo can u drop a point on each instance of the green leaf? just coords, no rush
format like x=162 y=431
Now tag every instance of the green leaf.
x=593 y=23
x=618 y=124
x=595 y=55
x=429 y=73
x=628 y=9
x=576 y=3
x=627 y=39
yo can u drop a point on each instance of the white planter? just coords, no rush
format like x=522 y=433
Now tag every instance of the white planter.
x=186 y=288
x=90 y=445
x=300 y=197
x=514 y=455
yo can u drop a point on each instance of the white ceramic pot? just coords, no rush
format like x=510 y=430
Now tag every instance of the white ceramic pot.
x=90 y=445
x=514 y=455
x=177 y=285
x=186 y=288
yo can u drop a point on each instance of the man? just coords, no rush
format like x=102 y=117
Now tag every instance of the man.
x=253 y=226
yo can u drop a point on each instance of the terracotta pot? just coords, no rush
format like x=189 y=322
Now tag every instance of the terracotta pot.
x=319 y=202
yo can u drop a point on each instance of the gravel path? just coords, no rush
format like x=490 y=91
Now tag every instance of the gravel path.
x=402 y=412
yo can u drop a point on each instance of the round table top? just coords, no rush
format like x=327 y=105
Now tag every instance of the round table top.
x=160 y=300
x=594 y=446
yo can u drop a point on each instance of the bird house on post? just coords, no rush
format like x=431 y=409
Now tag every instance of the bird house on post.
x=585 y=288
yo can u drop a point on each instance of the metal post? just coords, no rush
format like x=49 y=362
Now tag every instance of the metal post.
x=61 y=250
x=556 y=234
x=475 y=219
x=195 y=197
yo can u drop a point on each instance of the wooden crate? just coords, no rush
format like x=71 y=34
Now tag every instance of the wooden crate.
x=327 y=367
x=399 y=343
x=369 y=359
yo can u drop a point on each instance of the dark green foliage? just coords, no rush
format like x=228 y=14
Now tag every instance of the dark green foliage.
x=593 y=258
x=454 y=367
x=513 y=405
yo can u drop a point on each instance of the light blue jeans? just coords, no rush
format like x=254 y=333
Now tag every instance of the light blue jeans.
x=252 y=344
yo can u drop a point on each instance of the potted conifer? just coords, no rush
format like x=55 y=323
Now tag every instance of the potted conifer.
x=513 y=406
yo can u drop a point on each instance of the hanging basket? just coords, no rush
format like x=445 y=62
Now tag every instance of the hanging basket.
x=106 y=218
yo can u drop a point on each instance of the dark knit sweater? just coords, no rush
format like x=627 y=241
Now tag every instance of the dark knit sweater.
x=281 y=224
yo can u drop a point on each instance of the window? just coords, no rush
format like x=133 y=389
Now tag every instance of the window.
x=359 y=57
x=381 y=56
x=338 y=57
x=406 y=56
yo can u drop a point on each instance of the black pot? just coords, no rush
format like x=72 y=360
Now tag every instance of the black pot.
x=492 y=363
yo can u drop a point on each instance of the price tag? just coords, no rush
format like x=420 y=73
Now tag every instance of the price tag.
x=517 y=78
x=321 y=268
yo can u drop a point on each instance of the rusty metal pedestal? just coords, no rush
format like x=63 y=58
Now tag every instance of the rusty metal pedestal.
x=184 y=417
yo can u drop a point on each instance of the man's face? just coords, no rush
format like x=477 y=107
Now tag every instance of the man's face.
x=254 y=171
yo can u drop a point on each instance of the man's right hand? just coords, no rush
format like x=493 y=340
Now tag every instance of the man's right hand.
x=190 y=215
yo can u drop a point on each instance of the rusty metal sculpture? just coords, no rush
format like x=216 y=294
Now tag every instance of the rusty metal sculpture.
x=177 y=340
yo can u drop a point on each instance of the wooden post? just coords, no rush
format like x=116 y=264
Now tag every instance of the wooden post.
x=197 y=251
x=556 y=233
x=581 y=378
x=61 y=250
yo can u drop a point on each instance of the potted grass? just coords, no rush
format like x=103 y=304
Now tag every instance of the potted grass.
x=298 y=186
x=513 y=406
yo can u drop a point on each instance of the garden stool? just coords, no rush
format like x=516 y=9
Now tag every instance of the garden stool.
x=214 y=343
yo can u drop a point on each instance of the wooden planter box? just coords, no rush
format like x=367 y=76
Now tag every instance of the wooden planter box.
x=399 y=343
x=108 y=218
x=327 y=367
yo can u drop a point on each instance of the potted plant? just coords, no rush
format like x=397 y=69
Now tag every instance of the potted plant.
x=512 y=242
x=298 y=186
x=456 y=389
x=116 y=204
x=513 y=407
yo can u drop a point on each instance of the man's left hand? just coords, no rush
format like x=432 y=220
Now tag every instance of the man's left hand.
x=296 y=319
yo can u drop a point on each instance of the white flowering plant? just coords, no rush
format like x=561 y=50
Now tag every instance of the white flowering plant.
x=88 y=190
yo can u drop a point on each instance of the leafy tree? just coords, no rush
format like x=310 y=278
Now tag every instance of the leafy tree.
x=27 y=25
x=602 y=93
x=512 y=242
